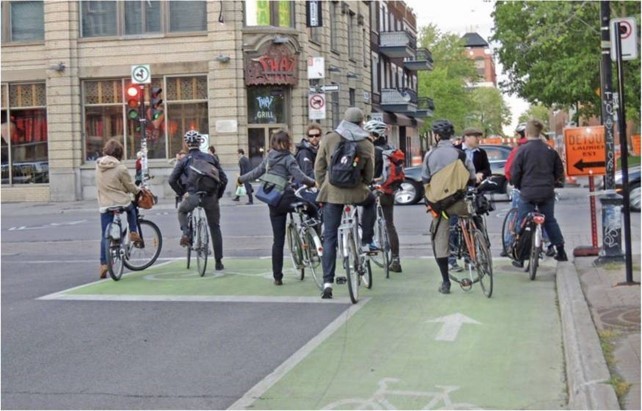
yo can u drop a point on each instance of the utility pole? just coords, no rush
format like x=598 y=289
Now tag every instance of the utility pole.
x=611 y=250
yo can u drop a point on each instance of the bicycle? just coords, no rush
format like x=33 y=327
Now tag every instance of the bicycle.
x=472 y=245
x=531 y=236
x=355 y=263
x=304 y=243
x=121 y=252
x=199 y=240
x=383 y=258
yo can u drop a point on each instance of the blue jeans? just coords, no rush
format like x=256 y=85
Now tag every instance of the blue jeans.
x=547 y=208
x=331 y=221
x=106 y=218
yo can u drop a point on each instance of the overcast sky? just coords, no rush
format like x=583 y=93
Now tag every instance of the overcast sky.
x=462 y=16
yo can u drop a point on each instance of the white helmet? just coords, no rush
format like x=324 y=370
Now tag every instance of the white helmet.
x=376 y=127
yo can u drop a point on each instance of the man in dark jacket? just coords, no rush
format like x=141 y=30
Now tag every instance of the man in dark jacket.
x=306 y=150
x=535 y=171
x=245 y=167
x=190 y=200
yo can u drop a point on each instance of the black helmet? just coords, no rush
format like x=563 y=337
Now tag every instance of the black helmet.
x=444 y=128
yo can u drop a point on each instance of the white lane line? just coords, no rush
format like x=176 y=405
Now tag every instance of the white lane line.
x=193 y=298
x=279 y=372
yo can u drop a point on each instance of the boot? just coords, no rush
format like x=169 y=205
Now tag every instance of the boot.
x=103 y=270
x=561 y=254
x=395 y=265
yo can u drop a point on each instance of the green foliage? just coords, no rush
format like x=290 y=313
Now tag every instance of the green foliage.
x=490 y=113
x=551 y=53
x=537 y=111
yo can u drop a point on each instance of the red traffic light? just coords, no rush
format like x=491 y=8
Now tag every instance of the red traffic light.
x=132 y=91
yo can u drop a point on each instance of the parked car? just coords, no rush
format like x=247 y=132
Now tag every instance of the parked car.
x=634 y=186
x=412 y=189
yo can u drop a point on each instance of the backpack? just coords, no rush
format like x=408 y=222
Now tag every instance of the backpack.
x=203 y=175
x=345 y=170
x=392 y=173
x=448 y=185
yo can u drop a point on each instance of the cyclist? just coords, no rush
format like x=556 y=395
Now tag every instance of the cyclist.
x=210 y=202
x=114 y=187
x=479 y=158
x=439 y=157
x=536 y=170
x=306 y=150
x=334 y=198
x=377 y=130
x=280 y=162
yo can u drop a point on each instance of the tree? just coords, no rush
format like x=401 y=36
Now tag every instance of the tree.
x=489 y=111
x=551 y=53
x=537 y=111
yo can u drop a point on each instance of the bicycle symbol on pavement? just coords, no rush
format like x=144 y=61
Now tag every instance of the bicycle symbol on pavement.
x=381 y=399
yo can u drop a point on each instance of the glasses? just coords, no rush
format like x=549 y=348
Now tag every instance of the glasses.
x=314 y=135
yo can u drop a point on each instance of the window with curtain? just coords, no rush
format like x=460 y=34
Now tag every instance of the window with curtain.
x=334 y=16
x=278 y=13
x=184 y=107
x=25 y=155
x=25 y=21
x=101 y=18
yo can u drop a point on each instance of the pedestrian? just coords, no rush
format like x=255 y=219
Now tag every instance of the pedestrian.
x=281 y=163
x=334 y=198
x=436 y=159
x=180 y=183
x=479 y=158
x=245 y=167
x=536 y=170
x=138 y=177
x=306 y=150
x=114 y=187
x=377 y=130
x=212 y=151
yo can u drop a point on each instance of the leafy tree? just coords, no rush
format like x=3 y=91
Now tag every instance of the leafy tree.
x=489 y=111
x=551 y=53
x=537 y=111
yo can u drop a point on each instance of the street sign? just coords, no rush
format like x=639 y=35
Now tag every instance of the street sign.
x=330 y=88
x=629 y=36
x=141 y=74
x=316 y=106
x=316 y=68
x=585 y=151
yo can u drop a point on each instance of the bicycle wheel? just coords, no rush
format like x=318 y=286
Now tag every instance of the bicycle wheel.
x=202 y=246
x=114 y=253
x=190 y=225
x=313 y=257
x=296 y=249
x=508 y=229
x=366 y=271
x=536 y=249
x=146 y=254
x=484 y=264
x=350 y=263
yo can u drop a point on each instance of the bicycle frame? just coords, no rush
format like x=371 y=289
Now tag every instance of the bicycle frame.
x=349 y=223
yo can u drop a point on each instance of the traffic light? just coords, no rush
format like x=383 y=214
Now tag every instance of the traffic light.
x=155 y=114
x=134 y=94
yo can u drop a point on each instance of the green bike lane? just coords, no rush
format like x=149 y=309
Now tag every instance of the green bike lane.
x=403 y=346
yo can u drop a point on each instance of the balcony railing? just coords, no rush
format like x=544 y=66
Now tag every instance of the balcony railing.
x=397 y=44
x=405 y=101
x=422 y=60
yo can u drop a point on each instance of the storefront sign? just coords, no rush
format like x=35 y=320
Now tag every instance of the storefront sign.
x=278 y=66
x=313 y=15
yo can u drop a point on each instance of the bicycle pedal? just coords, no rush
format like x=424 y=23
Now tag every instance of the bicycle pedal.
x=340 y=280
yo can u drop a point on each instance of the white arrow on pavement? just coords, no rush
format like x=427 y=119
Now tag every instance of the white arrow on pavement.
x=452 y=324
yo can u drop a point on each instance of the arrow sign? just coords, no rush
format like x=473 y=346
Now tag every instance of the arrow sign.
x=452 y=324
x=581 y=165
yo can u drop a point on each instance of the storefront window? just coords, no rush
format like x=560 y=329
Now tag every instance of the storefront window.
x=266 y=105
x=25 y=157
x=269 y=13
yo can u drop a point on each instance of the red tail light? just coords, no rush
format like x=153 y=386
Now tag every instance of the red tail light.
x=539 y=219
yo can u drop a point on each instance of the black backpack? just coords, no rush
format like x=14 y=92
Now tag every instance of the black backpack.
x=345 y=170
x=203 y=175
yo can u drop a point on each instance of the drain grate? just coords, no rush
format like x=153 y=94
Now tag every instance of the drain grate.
x=624 y=318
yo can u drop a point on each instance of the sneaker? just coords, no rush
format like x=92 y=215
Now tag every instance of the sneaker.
x=185 y=241
x=561 y=254
x=503 y=253
x=235 y=199
x=550 y=251
x=369 y=248
x=327 y=291
x=455 y=268
x=249 y=203
x=444 y=288
x=278 y=282
x=134 y=237
x=518 y=264
x=219 y=266
x=103 y=270
x=395 y=265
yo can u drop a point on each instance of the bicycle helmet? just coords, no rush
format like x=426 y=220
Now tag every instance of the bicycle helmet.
x=443 y=128
x=376 y=127
x=521 y=129
x=192 y=138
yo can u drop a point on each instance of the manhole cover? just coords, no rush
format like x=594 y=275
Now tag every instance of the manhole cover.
x=625 y=318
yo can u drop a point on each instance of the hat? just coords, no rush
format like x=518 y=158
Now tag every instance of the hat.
x=353 y=115
x=473 y=132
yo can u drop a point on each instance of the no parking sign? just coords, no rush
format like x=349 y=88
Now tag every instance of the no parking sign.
x=316 y=106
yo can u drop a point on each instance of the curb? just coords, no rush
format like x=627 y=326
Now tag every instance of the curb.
x=586 y=370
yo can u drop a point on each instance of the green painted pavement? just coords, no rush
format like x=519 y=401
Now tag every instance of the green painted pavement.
x=388 y=354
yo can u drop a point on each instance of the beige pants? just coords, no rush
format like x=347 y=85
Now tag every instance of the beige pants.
x=440 y=229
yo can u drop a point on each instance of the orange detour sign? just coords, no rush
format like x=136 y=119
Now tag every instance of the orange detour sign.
x=585 y=151
x=635 y=142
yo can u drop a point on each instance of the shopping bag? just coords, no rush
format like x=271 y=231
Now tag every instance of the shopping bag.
x=240 y=191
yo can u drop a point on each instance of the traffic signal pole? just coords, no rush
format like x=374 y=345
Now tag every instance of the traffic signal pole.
x=142 y=117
